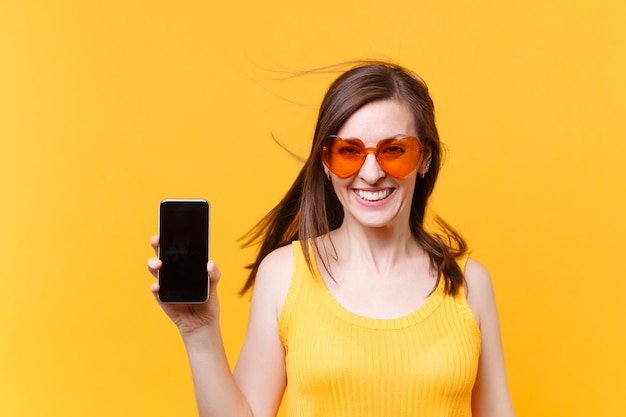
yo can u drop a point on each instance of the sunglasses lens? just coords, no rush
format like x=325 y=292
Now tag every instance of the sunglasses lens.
x=343 y=157
x=397 y=157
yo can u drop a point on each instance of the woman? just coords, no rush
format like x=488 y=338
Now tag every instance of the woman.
x=356 y=308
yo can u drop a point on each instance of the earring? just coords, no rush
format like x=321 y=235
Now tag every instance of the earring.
x=422 y=175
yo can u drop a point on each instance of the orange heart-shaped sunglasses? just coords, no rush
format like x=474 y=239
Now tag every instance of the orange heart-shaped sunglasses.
x=398 y=157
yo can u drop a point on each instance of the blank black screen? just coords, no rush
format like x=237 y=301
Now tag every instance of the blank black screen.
x=183 y=249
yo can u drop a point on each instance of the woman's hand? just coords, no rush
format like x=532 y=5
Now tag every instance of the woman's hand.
x=188 y=317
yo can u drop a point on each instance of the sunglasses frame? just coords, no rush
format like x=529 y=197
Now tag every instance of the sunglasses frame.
x=382 y=145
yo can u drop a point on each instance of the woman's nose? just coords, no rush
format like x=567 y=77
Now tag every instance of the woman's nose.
x=371 y=171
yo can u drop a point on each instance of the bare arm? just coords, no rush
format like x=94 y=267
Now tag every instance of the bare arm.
x=217 y=393
x=260 y=370
x=259 y=386
x=490 y=397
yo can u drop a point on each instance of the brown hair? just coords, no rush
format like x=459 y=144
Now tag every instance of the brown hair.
x=310 y=208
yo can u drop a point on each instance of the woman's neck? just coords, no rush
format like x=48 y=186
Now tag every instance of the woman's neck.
x=379 y=247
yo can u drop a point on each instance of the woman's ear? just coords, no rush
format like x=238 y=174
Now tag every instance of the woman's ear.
x=424 y=166
x=326 y=171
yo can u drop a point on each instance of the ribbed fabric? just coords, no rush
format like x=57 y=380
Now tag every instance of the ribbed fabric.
x=340 y=364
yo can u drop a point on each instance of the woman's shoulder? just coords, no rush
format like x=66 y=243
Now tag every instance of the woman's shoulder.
x=277 y=261
x=479 y=289
x=476 y=273
x=274 y=276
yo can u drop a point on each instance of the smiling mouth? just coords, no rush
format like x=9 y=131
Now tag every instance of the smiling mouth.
x=374 y=195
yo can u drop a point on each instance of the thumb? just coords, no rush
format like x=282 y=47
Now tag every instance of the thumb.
x=214 y=277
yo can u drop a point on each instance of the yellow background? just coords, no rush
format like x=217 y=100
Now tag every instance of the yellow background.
x=106 y=107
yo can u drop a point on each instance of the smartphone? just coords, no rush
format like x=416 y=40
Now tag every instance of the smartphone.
x=183 y=250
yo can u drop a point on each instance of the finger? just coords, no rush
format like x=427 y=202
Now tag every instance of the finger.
x=214 y=272
x=154 y=242
x=155 y=288
x=214 y=277
x=154 y=264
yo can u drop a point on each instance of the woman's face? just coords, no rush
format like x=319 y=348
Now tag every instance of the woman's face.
x=371 y=197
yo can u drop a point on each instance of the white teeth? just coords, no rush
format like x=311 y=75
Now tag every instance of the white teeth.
x=373 y=195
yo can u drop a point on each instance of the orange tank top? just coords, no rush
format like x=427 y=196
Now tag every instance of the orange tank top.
x=340 y=364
